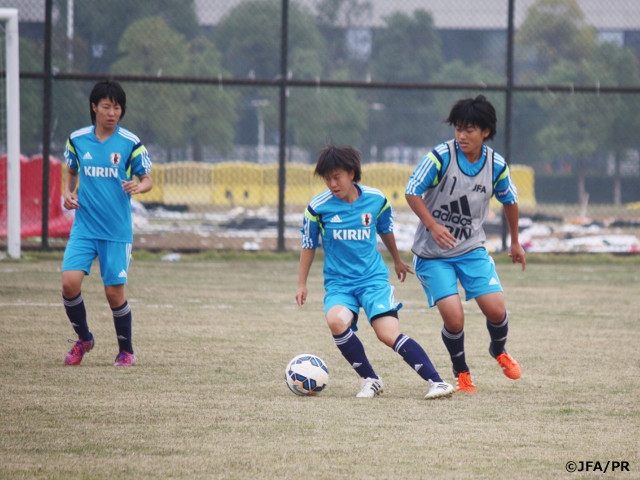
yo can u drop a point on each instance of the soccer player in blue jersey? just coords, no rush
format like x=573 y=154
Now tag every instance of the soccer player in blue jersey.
x=346 y=219
x=103 y=160
x=450 y=191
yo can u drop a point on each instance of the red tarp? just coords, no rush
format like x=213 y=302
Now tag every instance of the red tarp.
x=31 y=198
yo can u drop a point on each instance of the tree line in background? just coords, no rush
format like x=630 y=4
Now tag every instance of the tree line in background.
x=554 y=45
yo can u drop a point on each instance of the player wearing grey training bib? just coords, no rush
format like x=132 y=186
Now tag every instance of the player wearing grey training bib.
x=450 y=191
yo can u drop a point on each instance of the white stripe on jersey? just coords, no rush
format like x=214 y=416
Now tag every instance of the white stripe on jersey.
x=321 y=198
x=442 y=149
x=82 y=131
x=499 y=160
x=419 y=174
x=426 y=165
x=371 y=190
x=128 y=135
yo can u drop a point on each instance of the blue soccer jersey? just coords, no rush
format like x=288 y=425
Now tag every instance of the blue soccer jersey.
x=348 y=234
x=105 y=209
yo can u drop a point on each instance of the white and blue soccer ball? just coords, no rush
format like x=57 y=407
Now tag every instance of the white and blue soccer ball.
x=307 y=374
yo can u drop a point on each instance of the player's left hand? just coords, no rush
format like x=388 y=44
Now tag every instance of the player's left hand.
x=402 y=269
x=517 y=255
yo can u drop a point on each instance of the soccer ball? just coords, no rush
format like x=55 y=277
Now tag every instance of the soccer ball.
x=306 y=374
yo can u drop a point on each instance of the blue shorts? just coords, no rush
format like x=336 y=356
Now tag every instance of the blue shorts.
x=375 y=299
x=114 y=258
x=439 y=277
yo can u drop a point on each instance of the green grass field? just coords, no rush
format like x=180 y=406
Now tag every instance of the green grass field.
x=207 y=398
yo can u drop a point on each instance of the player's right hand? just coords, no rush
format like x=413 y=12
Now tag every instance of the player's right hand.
x=442 y=236
x=301 y=296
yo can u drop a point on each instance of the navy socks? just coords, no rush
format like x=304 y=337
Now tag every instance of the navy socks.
x=352 y=349
x=498 y=333
x=122 y=322
x=416 y=357
x=77 y=315
x=455 y=345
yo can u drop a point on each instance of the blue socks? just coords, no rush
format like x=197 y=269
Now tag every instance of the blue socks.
x=416 y=357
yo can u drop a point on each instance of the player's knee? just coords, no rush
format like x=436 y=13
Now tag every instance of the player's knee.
x=387 y=327
x=70 y=289
x=115 y=295
x=496 y=314
x=339 y=318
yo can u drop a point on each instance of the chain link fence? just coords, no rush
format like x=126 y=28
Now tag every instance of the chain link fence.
x=233 y=99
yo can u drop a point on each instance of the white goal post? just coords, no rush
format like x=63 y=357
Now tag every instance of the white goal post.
x=12 y=71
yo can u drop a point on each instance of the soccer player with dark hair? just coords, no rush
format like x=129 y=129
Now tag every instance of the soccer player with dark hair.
x=346 y=219
x=450 y=191
x=102 y=160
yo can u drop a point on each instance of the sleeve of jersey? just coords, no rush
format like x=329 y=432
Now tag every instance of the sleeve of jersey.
x=139 y=163
x=425 y=175
x=70 y=155
x=311 y=229
x=504 y=189
x=384 y=223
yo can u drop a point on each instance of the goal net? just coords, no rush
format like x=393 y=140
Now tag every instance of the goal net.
x=10 y=131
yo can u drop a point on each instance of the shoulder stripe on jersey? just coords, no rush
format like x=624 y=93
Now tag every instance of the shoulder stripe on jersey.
x=374 y=191
x=82 y=131
x=123 y=132
x=371 y=190
x=499 y=159
x=441 y=149
x=428 y=162
x=321 y=198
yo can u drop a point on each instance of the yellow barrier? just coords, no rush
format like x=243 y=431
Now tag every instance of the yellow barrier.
x=237 y=184
x=156 y=194
x=524 y=179
x=251 y=185
x=298 y=181
x=190 y=181
x=391 y=178
x=317 y=183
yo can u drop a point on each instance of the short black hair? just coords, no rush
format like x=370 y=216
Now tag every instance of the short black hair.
x=107 y=89
x=474 y=112
x=332 y=157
